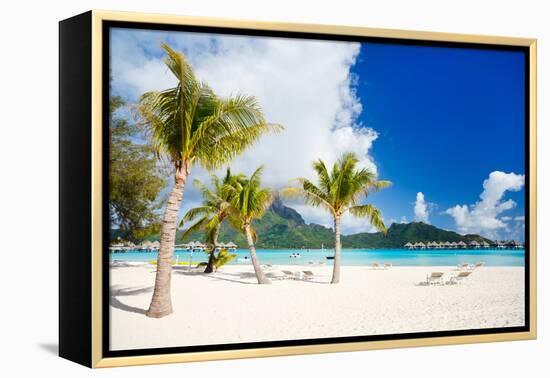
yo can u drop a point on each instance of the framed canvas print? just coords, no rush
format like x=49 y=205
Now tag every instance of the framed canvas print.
x=235 y=189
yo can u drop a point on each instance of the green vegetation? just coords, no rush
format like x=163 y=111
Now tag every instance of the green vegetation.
x=276 y=232
x=134 y=180
x=223 y=257
x=249 y=201
x=189 y=125
x=339 y=192
x=212 y=212
x=180 y=263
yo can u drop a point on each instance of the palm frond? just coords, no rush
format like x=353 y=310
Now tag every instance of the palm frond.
x=189 y=123
x=369 y=211
x=195 y=227
x=196 y=212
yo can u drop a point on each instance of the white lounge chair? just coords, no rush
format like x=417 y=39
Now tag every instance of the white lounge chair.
x=308 y=275
x=287 y=275
x=477 y=265
x=454 y=280
x=435 y=278
x=463 y=266
x=376 y=266
x=387 y=265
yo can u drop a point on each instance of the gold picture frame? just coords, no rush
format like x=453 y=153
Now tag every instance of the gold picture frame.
x=95 y=23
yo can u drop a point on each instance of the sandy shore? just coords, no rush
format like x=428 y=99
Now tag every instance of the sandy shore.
x=229 y=307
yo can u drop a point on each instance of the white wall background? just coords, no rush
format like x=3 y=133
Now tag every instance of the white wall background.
x=28 y=211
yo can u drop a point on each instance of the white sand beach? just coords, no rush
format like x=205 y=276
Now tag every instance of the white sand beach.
x=229 y=307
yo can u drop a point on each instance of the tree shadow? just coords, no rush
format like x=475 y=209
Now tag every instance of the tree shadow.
x=121 y=264
x=214 y=276
x=126 y=292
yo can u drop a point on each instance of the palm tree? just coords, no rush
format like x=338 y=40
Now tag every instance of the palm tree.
x=339 y=192
x=213 y=211
x=189 y=125
x=249 y=201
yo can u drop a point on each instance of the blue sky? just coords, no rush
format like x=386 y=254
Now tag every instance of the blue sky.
x=443 y=122
x=446 y=117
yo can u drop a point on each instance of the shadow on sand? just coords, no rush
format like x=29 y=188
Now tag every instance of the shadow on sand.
x=241 y=278
x=127 y=292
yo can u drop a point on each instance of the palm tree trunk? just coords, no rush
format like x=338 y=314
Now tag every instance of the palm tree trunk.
x=337 y=252
x=161 y=303
x=262 y=279
x=210 y=266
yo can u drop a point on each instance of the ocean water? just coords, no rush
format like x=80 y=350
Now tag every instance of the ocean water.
x=397 y=257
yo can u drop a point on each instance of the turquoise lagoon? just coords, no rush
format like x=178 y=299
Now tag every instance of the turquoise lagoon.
x=397 y=257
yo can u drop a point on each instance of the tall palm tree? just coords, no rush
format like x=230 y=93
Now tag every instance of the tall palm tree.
x=249 y=201
x=339 y=192
x=212 y=212
x=189 y=125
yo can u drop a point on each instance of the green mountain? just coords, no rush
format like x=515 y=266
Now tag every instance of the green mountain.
x=400 y=234
x=283 y=227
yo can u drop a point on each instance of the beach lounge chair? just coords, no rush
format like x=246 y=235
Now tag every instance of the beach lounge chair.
x=308 y=275
x=376 y=266
x=267 y=266
x=387 y=265
x=287 y=275
x=434 y=278
x=477 y=265
x=463 y=266
x=458 y=278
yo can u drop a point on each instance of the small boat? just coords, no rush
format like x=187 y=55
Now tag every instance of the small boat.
x=295 y=255
x=329 y=257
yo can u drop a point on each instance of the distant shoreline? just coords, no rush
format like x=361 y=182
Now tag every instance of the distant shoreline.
x=350 y=257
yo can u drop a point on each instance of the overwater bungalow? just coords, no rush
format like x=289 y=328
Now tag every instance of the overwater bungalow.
x=420 y=245
x=155 y=245
x=409 y=245
x=198 y=246
x=447 y=245
x=461 y=244
x=500 y=244
x=145 y=246
x=474 y=244
x=514 y=244
x=231 y=246
x=181 y=247
x=117 y=248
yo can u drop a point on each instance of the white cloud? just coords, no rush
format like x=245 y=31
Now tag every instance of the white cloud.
x=421 y=212
x=403 y=220
x=304 y=85
x=520 y=219
x=482 y=217
x=506 y=218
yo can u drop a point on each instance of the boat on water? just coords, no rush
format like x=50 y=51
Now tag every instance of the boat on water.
x=329 y=257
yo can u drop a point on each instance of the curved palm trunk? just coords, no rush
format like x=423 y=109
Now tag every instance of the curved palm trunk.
x=161 y=303
x=337 y=252
x=262 y=279
x=210 y=266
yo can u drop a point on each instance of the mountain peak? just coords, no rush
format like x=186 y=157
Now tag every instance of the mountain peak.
x=287 y=213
